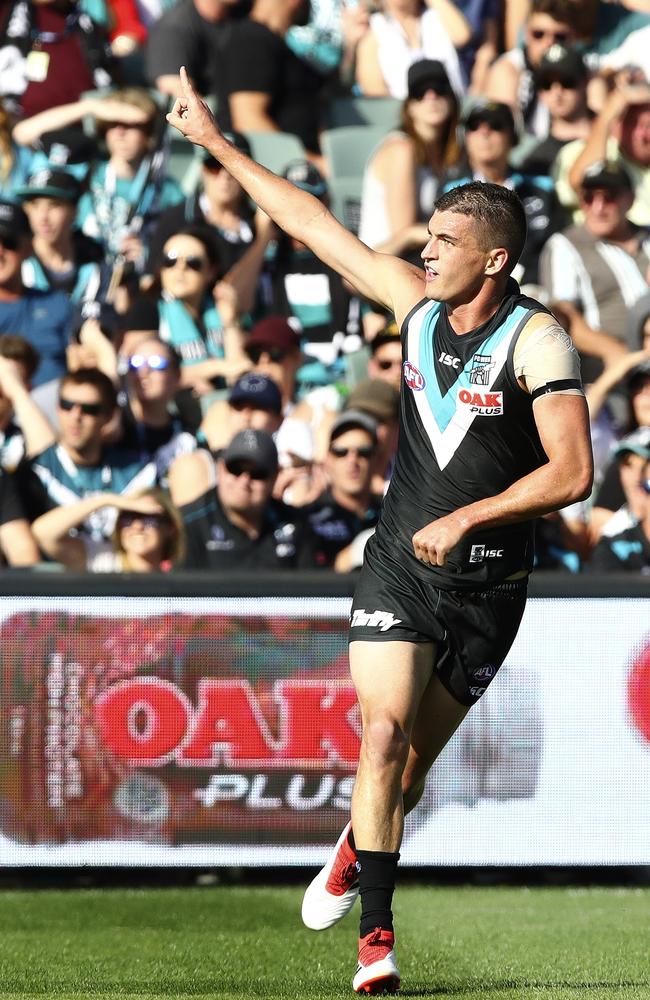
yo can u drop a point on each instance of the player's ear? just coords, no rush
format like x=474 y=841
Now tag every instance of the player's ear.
x=497 y=261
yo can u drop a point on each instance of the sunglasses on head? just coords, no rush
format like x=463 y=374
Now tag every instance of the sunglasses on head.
x=420 y=90
x=566 y=82
x=276 y=354
x=238 y=469
x=89 y=409
x=559 y=37
x=607 y=195
x=365 y=451
x=474 y=124
x=194 y=262
x=146 y=520
x=155 y=362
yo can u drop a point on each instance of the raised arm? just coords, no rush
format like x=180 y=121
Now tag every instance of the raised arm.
x=387 y=280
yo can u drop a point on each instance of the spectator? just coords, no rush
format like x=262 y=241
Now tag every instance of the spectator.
x=62 y=256
x=385 y=362
x=253 y=402
x=620 y=133
x=379 y=400
x=17 y=543
x=199 y=313
x=43 y=318
x=511 y=79
x=152 y=379
x=347 y=509
x=561 y=79
x=404 y=32
x=81 y=464
x=15 y=161
x=629 y=549
x=271 y=89
x=50 y=53
x=599 y=266
x=273 y=349
x=490 y=136
x=620 y=500
x=484 y=19
x=32 y=433
x=230 y=516
x=403 y=174
x=148 y=536
x=195 y=34
x=329 y=41
x=218 y=202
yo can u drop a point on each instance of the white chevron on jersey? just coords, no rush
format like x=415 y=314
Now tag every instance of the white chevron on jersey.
x=445 y=440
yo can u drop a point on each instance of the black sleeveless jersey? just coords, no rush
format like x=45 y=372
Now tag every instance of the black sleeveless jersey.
x=466 y=433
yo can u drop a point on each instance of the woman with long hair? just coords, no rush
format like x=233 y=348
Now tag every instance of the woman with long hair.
x=148 y=535
x=403 y=174
x=15 y=161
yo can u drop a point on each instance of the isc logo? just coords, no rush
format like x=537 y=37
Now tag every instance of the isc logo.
x=450 y=360
x=478 y=553
x=413 y=378
x=486 y=404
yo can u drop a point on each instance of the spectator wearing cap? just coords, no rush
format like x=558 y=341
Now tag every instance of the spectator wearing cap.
x=620 y=133
x=273 y=349
x=490 y=136
x=512 y=78
x=403 y=32
x=62 y=256
x=270 y=88
x=385 y=362
x=625 y=541
x=619 y=501
x=598 y=268
x=231 y=520
x=402 y=176
x=254 y=401
x=347 y=508
x=44 y=318
x=379 y=400
x=50 y=54
x=561 y=80
x=218 y=202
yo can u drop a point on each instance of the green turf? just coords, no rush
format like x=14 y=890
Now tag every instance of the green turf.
x=238 y=943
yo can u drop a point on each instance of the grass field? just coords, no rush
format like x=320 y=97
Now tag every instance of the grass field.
x=242 y=942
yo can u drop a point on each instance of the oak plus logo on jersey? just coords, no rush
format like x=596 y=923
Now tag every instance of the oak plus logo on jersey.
x=483 y=404
x=383 y=620
x=413 y=377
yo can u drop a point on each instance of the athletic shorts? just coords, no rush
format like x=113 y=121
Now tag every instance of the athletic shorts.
x=473 y=629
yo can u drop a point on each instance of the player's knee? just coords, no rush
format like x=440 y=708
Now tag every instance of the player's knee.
x=385 y=740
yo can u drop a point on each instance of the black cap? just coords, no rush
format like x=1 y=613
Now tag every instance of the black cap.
x=255 y=447
x=66 y=149
x=494 y=113
x=51 y=184
x=259 y=391
x=351 y=419
x=428 y=71
x=13 y=221
x=561 y=62
x=306 y=176
x=606 y=174
x=237 y=139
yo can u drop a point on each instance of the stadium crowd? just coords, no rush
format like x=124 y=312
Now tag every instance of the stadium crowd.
x=181 y=383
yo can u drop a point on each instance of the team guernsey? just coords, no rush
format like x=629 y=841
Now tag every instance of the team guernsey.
x=467 y=432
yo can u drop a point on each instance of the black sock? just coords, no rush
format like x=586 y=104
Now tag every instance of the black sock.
x=351 y=839
x=377 y=876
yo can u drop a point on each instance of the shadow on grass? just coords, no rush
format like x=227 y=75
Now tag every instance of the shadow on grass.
x=483 y=986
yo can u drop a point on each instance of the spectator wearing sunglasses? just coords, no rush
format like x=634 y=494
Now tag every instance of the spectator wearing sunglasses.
x=273 y=349
x=254 y=402
x=148 y=536
x=199 y=314
x=385 y=362
x=232 y=521
x=152 y=375
x=599 y=267
x=348 y=507
x=80 y=463
x=512 y=80
x=44 y=318
x=490 y=135
x=403 y=174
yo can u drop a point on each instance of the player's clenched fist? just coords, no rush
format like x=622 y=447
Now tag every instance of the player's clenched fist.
x=433 y=543
x=191 y=116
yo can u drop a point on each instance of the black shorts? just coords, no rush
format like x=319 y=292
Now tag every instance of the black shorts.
x=473 y=629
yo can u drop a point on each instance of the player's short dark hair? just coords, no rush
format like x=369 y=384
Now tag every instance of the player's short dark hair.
x=498 y=211
x=101 y=382
x=17 y=348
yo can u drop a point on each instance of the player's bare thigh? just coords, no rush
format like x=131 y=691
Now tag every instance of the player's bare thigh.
x=390 y=678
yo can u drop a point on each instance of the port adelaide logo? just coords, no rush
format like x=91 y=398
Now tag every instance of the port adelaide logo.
x=483 y=404
x=413 y=376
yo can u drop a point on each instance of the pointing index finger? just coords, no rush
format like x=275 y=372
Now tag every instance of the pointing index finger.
x=188 y=90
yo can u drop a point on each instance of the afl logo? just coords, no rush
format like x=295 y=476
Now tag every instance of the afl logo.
x=413 y=378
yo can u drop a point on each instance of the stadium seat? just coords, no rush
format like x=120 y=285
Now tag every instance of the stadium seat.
x=183 y=162
x=384 y=111
x=348 y=149
x=274 y=150
x=345 y=200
